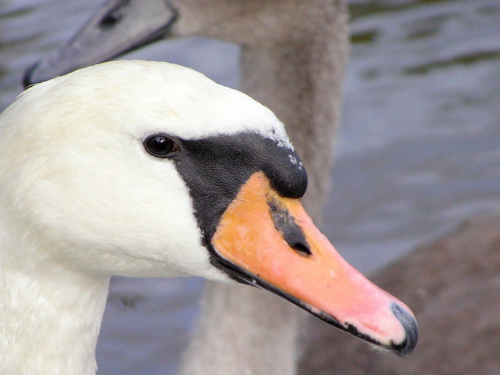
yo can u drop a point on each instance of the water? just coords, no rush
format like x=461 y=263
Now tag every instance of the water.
x=418 y=151
x=419 y=145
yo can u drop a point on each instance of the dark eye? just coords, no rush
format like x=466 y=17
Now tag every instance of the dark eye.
x=160 y=146
x=114 y=15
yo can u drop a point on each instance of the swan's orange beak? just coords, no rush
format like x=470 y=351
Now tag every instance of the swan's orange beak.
x=271 y=242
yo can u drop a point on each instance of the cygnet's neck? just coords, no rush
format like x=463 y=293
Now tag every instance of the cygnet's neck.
x=300 y=82
x=50 y=314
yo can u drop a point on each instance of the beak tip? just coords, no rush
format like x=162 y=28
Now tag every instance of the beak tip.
x=411 y=329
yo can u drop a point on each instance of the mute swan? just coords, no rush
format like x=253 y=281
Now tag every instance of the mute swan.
x=150 y=169
x=292 y=60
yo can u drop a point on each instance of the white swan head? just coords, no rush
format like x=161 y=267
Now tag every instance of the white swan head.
x=78 y=169
x=151 y=169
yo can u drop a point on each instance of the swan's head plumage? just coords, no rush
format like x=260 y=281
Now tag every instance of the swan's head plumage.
x=151 y=169
x=75 y=166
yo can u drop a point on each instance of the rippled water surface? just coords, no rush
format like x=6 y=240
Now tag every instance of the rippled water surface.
x=418 y=152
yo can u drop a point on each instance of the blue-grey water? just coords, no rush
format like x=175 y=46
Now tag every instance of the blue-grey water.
x=418 y=151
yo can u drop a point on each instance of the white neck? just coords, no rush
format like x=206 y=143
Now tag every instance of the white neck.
x=50 y=315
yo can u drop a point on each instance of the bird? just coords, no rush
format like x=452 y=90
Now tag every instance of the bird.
x=254 y=28
x=292 y=59
x=149 y=169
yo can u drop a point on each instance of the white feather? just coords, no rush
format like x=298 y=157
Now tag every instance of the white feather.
x=82 y=200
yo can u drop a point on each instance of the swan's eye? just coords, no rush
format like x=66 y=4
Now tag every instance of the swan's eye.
x=114 y=16
x=160 y=145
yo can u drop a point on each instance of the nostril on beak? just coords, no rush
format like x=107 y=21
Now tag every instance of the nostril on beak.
x=291 y=232
x=300 y=247
x=411 y=328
